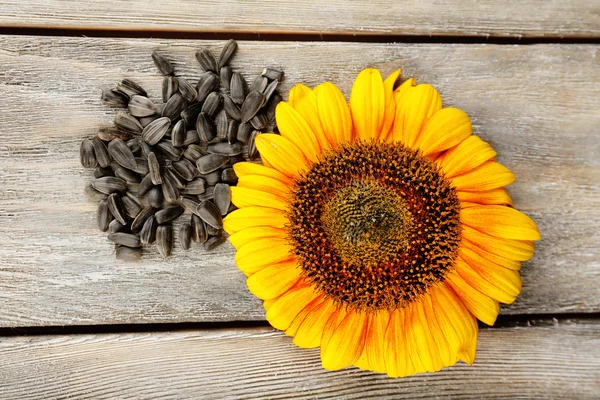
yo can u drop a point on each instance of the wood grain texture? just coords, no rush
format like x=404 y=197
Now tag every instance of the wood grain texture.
x=561 y=360
x=537 y=105
x=484 y=18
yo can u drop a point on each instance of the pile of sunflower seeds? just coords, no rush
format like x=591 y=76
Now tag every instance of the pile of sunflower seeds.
x=161 y=161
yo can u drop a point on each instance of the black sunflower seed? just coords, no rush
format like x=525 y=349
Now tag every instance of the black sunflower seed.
x=125 y=239
x=208 y=194
x=155 y=196
x=228 y=176
x=174 y=106
x=212 y=231
x=178 y=133
x=222 y=125
x=212 y=104
x=174 y=176
x=272 y=105
x=130 y=88
x=164 y=66
x=225 y=148
x=205 y=128
x=185 y=168
x=191 y=137
x=185 y=236
x=127 y=175
x=156 y=130
x=252 y=150
x=225 y=75
x=116 y=226
x=169 y=191
x=121 y=153
x=238 y=88
x=222 y=197
x=144 y=121
x=113 y=98
x=231 y=108
x=190 y=114
x=208 y=82
x=167 y=149
x=145 y=185
x=210 y=214
x=142 y=166
x=212 y=178
x=213 y=242
x=253 y=102
x=154 y=169
x=109 y=184
x=244 y=132
x=189 y=203
x=140 y=106
x=206 y=60
x=232 y=130
x=99 y=172
x=272 y=74
x=259 y=84
x=148 y=231
x=187 y=90
x=194 y=151
x=109 y=133
x=259 y=121
x=142 y=217
x=269 y=90
x=227 y=53
x=115 y=206
x=211 y=162
x=164 y=240
x=168 y=214
x=127 y=123
x=103 y=216
x=86 y=154
x=128 y=254
x=92 y=194
x=131 y=206
x=134 y=146
x=170 y=86
x=195 y=187
x=199 y=234
x=101 y=152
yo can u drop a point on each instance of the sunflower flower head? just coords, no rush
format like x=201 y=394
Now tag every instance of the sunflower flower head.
x=379 y=231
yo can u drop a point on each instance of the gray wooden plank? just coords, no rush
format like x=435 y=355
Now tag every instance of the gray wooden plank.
x=484 y=18
x=559 y=361
x=538 y=106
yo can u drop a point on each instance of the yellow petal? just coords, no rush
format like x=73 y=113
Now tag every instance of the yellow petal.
x=347 y=342
x=254 y=216
x=244 y=168
x=467 y=352
x=245 y=197
x=397 y=361
x=274 y=280
x=447 y=356
x=475 y=279
x=294 y=128
x=421 y=345
x=265 y=184
x=413 y=109
x=445 y=129
x=519 y=250
x=500 y=221
x=334 y=113
x=495 y=258
x=311 y=329
x=374 y=351
x=256 y=255
x=248 y=235
x=285 y=308
x=488 y=176
x=483 y=307
x=367 y=104
x=282 y=154
x=297 y=321
x=305 y=102
x=469 y=154
x=497 y=196
x=402 y=89
x=390 y=105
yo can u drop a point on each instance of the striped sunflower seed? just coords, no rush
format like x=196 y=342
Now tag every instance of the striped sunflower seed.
x=238 y=88
x=272 y=74
x=130 y=88
x=185 y=168
x=155 y=197
x=99 y=172
x=210 y=214
x=231 y=108
x=212 y=231
x=140 y=106
x=125 y=239
x=244 y=132
x=113 y=98
x=232 y=130
x=187 y=90
x=167 y=149
x=212 y=178
x=134 y=146
x=259 y=121
x=178 y=133
x=169 y=191
x=121 y=153
x=168 y=214
x=92 y=194
x=195 y=187
x=212 y=162
x=101 y=152
x=142 y=166
x=164 y=240
x=128 y=254
x=170 y=86
x=193 y=152
x=155 y=171
x=252 y=150
x=131 y=206
x=185 y=236
x=225 y=75
x=272 y=105
x=228 y=176
x=156 y=130
x=109 y=184
x=148 y=232
x=270 y=89
x=208 y=194
x=144 y=121
x=208 y=83
x=236 y=159
x=164 y=66
x=227 y=52
x=116 y=208
x=199 y=234
x=109 y=133
x=205 y=127
x=191 y=137
x=189 y=203
x=190 y=114
x=103 y=216
x=127 y=175
x=127 y=123
x=87 y=155
x=212 y=104
x=222 y=197
x=252 y=104
x=115 y=226
x=145 y=185
x=225 y=148
x=259 y=84
x=214 y=242
x=206 y=60
x=142 y=217
x=174 y=106
x=222 y=125
x=174 y=176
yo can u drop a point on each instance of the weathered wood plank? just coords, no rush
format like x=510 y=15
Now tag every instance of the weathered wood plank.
x=561 y=360
x=536 y=104
x=532 y=18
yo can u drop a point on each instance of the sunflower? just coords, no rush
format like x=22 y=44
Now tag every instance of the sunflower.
x=379 y=231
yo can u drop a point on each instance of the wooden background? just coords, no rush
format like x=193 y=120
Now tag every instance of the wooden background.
x=76 y=323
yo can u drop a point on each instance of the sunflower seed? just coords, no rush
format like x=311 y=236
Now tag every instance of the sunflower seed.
x=232 y=129
x=142 y=166
x=193 y=152
x=156 y=130
x=232 y=208
x=222 y=197
x=208 y=194
x=272 y=105
x=225 y=148
x=145 y=185
x=164 y=240
x=86 y=154
x=187 y=90
x=238 y=88
x=168 y=214
x=210 y=214
x=140 y=106
x=222 y=124
x=212 y=104
x=134 y=146
x=130 y=88
x=259 y=121
x=113 y=98
x=272 y=74
x=270 y=89
x=227 y=53
x=170 y=86
x=101 y=152
x=99 y=172
x=148 y=232
x=109 y=184
x=212 y=231
x=211 y=162
x=175 y=177
x=185 y=236
x=125 y=239
x=154 y=169
x=109 y=133
x=225 y=75
x=185 y=168
x=207 y=83
x=169 y=191
x=190 y=114
x=252 y=150
x=212 y=178
x=231 y=108
x=155 y=196
x=103 y=216
x=206 y=60
x=244 y=132
x=253 y=102
x=127 y=123
x=131 y=206
x=213 y=242
x=259 y=84
x=169 y=151
x=228 y=176
x=236 y=159
x=144 y=121
x=116 y=226
x=164 y=66
x=115 y=206
x=195 y=187
x=92 y=194
x=205 y=128
x=142 y=217
x=121 y=154
x=178 y=133
x=127 y=175
x=198 y=229
x=174 y=106
x=128 y=254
